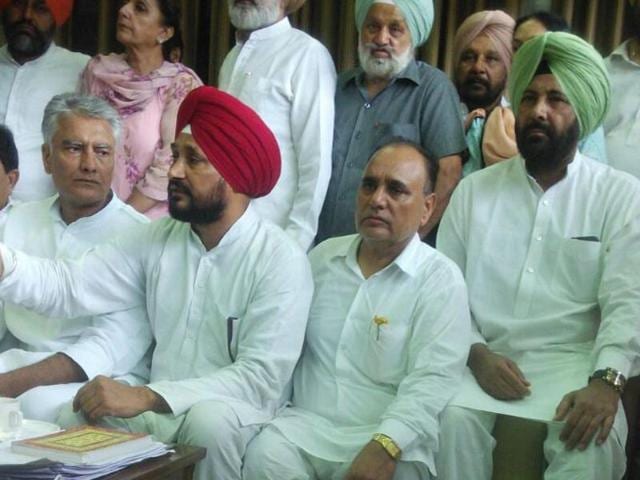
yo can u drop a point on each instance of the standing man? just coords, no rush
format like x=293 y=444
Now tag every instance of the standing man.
x=55 y=356
x=547 y=242
x=391 y=94
x=32 y=70
x=386 y=343
x=482 y=56
x=289 y=79
x=227 y=293
x=622 y=124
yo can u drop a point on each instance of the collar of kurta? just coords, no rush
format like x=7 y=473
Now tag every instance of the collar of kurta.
x=572 y=168
x=54 y=210
x=621 y=52
x=241 y=230
x=405 y=261
x=356 y=75
x=269 y=32
x=4 y=53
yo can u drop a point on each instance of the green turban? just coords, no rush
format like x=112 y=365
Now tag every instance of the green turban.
x=578 y=68
x=418 y=15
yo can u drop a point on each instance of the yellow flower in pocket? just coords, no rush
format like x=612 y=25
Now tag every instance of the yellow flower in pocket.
x=379 y=321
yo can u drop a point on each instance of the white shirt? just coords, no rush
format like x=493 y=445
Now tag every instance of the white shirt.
x=25 y=91
x=622 y=124
x=552 y=276
x=228 y=323
x=289 y=79
x=111 y=345
x=355 y=378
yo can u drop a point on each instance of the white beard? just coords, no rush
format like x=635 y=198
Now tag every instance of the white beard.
x=382 y=67
x=253 y=17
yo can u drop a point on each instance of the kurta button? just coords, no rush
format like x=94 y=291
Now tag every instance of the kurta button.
x=545 y=202
x=539 y=237
x=530 y=270
x=367 y=106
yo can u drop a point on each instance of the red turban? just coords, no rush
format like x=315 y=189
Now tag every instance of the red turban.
x=60 y=9
x=234 y=138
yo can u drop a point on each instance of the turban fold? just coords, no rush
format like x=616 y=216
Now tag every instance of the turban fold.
x=234 y=138
x=495 y=24
x=578 y=68
x=60 y=9
x=291 y=6
x=418 y=15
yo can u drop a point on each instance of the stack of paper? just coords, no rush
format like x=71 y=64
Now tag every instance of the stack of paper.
x=81 y=453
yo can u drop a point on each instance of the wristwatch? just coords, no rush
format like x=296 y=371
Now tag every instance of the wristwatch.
x=388 y=444
x=612 y=377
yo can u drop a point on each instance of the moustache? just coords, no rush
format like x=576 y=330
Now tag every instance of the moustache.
x=475 y=79
x=175 y=186
x=371 y=47
x=542 y=126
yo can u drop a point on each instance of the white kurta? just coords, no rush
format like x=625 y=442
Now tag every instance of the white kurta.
x=113 y=344
x=288 y=77
x=228 y=323
x=622 y=124
x=355 y=378
x=25 y=91
x=552 y=276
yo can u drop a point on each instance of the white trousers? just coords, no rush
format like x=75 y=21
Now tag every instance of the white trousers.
x=270 y=456
x=210 y=424
x=39 y=403
x=466 y=451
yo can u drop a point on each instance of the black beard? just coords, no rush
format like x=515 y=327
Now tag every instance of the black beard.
x=546 y=155
x=635 y=21
x=199 y=214
x=23 y=45
x=473 y=100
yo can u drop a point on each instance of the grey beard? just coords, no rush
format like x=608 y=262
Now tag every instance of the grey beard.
x=253 y=18
x=383 y=67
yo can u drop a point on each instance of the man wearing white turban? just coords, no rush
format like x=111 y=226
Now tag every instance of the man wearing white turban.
x=547 y=242
x=391 y=94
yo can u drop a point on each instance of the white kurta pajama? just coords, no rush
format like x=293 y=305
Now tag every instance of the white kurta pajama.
x=622 y=124
x=356 y=378
x=25 y=91
x=289 y=79
x=112 y=345
x=553 y=283
x=228 y=322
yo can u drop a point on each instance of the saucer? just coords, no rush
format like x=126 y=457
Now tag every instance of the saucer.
x=30 y=429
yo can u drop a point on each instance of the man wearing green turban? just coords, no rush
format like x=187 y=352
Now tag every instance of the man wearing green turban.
x=391 y=95
x=547 y=242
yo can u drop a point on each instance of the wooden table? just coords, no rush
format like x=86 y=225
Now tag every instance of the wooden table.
x=175 y=466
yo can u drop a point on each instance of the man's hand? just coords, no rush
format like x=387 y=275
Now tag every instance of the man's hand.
x=372 y=463
x=587 y=411
x=103 y=396
x=499 y=376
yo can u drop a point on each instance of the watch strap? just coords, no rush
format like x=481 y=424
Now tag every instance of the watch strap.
x=388 y=444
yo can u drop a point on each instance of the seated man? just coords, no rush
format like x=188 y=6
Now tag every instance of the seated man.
x=227 y=293
x=9 y=173
x=548 y=243
x=55 y=355
x=387 y=341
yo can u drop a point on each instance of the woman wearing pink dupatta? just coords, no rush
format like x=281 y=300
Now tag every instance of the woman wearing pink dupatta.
x=147 y=91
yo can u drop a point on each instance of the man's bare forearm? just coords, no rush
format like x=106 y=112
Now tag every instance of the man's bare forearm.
x=56 y=369
x=449 y=174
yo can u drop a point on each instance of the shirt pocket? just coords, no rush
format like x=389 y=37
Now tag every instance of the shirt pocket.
x=377 y=347
x=222 y=327
x=578 y=269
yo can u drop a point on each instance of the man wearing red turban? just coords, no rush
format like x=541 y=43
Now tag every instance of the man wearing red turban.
x=33 y=69
x=226 y=292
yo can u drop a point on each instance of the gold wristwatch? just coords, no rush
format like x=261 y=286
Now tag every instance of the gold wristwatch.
x=611 y=377
x=388 y=444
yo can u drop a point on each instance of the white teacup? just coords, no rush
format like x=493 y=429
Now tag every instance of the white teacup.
x=10 y=416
